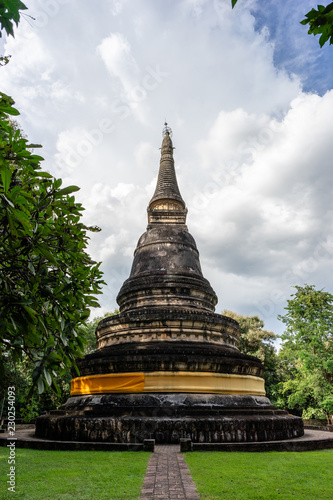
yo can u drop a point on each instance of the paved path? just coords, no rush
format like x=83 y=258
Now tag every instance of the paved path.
x=167 y=476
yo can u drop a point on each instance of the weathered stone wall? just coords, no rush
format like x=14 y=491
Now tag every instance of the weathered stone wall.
x=170 y=430
x=167 y=356
x=167 y=418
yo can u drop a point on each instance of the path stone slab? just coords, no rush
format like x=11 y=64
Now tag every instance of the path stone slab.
x=168 y=477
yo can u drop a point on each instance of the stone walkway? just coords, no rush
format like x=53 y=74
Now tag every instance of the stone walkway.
x=167 y=476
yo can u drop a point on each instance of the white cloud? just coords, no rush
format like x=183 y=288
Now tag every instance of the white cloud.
x=265 y=219
x=253 y=152
x=117 y=6
x=116 y=54
x=30 y=57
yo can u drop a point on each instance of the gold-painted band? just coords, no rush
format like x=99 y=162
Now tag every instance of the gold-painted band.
x=111 y=382
x=187 y=382
x=204 y=383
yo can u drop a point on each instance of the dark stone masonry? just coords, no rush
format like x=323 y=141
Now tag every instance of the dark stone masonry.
x=167 y=367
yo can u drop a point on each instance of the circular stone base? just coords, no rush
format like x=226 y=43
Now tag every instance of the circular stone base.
x=167 y=418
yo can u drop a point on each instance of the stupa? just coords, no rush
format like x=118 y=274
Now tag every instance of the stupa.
x=167 y=366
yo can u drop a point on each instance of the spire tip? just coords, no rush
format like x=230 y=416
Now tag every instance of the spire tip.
x=166 y=130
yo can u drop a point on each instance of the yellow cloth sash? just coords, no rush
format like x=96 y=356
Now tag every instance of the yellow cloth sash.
x=187 y=382
x=111 y=382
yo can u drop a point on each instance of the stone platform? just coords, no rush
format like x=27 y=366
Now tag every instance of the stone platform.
x=311 y=440
x=168 y=418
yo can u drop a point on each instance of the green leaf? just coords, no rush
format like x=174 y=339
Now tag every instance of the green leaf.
x=323 y=39
x=31 y=268
x=9 y=110
x=57 y=183
x=38 y=158
x=43 y=174
x=23 y=219
x=48 y=377
x=56 y=388
x=50 y=342
x=64 y=339
x=67 y=190
x=76 y=369
x=40 y=385
x=42 y=250
x=7 y=200
x=6 y=175
x=54 y=357
x=233 y=3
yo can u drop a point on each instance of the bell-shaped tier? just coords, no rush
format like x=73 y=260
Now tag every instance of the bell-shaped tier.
x=166 y=272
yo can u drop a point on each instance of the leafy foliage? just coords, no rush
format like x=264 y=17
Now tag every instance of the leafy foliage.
x=47 y=280
x=320 y=22
x=254 y=340
x=10 y=14
x=89 y=328
x=4 y=60
x=308 y=349
x=257 y=341
x=19 y=375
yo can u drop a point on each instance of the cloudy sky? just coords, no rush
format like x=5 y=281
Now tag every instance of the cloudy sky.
x=248 y=95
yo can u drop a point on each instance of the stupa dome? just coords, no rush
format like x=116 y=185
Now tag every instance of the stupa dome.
x=167 y=366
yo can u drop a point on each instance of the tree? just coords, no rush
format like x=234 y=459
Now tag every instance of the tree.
x=257 y=341
x=320 y=22
x=308 y=349
x=48 y=282
x=10 y=14
x=19 y=375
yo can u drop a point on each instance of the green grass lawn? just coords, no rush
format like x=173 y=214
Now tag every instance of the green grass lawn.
x=53 y=475
x=268 y=475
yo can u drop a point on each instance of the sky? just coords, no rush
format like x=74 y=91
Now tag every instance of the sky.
x=248 y=96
